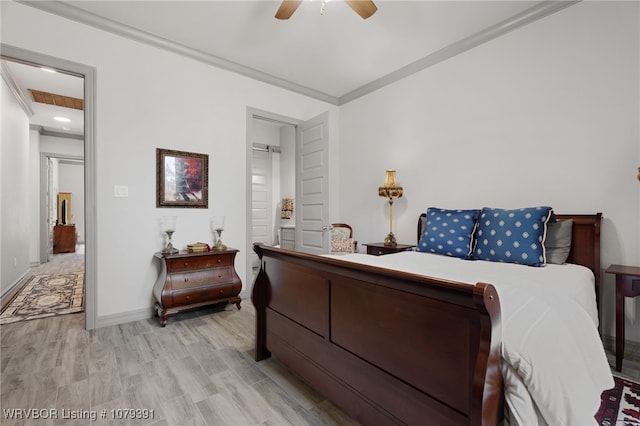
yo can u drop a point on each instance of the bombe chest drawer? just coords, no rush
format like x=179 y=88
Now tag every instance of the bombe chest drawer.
x=192 y=280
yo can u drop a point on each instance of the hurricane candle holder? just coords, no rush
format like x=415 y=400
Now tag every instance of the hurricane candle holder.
x=169 y=227
x=217 y=226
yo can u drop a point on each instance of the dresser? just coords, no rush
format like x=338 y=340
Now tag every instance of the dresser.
x=192 y=280
x=64 y=239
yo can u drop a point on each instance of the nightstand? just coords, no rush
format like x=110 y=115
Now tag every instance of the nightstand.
x=378 y=249
x=627 y=285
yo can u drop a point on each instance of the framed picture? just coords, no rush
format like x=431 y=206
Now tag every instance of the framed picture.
x=182 y=179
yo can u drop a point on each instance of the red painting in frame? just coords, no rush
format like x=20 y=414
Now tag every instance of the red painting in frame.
x=182 y=179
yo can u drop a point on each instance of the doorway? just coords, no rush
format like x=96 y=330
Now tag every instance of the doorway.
x=62 y=204
x=271 y=142
x=88 y=74
x=303 y=173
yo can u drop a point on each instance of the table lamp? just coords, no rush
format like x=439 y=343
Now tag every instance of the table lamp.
x=390 y=189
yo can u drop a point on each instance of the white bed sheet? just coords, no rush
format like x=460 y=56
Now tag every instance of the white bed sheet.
x=550 y=340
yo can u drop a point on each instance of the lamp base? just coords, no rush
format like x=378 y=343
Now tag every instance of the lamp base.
x=390 y=240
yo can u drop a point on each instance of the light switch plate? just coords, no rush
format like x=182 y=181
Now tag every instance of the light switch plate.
x=120 y=191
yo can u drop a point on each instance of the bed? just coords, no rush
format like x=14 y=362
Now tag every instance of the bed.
x=392 y=341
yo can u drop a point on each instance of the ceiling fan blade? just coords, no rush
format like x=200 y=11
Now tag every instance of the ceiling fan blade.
x=287 y=7
x=364 y=8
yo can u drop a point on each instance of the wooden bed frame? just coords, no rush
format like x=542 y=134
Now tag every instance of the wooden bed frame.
x=390 y=347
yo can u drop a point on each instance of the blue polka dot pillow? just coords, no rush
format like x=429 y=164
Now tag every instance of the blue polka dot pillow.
x=448 y=232
x=512 y=236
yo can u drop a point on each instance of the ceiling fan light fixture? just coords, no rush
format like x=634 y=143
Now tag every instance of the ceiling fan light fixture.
x=364 y=8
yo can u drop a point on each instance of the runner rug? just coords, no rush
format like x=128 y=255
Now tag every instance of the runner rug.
x=620 y=405
x=46 y=296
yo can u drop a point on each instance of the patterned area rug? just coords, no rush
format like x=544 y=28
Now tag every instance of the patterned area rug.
x=45 y=296
x=620 y=405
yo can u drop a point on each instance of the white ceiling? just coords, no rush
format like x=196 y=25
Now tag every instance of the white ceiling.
x=336 y=56
x=22 y=77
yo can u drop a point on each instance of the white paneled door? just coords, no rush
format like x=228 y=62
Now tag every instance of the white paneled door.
x=312 y=185
x=261 y=228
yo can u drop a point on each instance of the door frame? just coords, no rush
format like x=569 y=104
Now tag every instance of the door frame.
x=254 y=113
x=46 y=200
x=88 y=73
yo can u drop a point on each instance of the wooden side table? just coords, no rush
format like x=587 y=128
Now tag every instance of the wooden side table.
x=378 y=249
x=627 y=285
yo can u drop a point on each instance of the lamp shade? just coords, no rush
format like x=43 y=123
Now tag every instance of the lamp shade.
x=390 y=188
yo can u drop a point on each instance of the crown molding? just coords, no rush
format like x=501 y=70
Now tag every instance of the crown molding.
x=8 y=77
x=84 y=17
x=528 y=16
x=539 y=11
x=46 y=132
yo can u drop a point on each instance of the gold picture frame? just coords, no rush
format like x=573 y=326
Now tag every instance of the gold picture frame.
x=182 y=179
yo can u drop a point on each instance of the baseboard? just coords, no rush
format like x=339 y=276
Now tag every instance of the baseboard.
x=140 y=314
x=124 y=317
x=631 y=348
x=8 y=295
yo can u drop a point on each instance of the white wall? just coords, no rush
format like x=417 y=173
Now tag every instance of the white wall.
x=547 y=114
x=63 y=147
x=14 y=187
x=148 y=98
x=34 y=197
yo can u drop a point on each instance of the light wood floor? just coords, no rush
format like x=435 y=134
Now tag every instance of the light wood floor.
x=198 y=370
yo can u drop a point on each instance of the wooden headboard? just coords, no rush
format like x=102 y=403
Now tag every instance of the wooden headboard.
x=585 y=241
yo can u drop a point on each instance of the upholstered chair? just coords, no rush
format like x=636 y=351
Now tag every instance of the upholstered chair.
x=342 y=239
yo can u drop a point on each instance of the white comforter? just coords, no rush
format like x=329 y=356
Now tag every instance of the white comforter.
x=550 y=341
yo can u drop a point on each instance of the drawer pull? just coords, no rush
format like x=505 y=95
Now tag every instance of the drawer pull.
x=186 y=263
x=186 y=280
x=219 y=260
x=221 y=291
x=219 y=275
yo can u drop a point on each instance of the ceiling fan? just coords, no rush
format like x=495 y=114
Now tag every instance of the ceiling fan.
x=364 y=8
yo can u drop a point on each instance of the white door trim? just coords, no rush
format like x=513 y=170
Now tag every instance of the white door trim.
x=90 y=188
